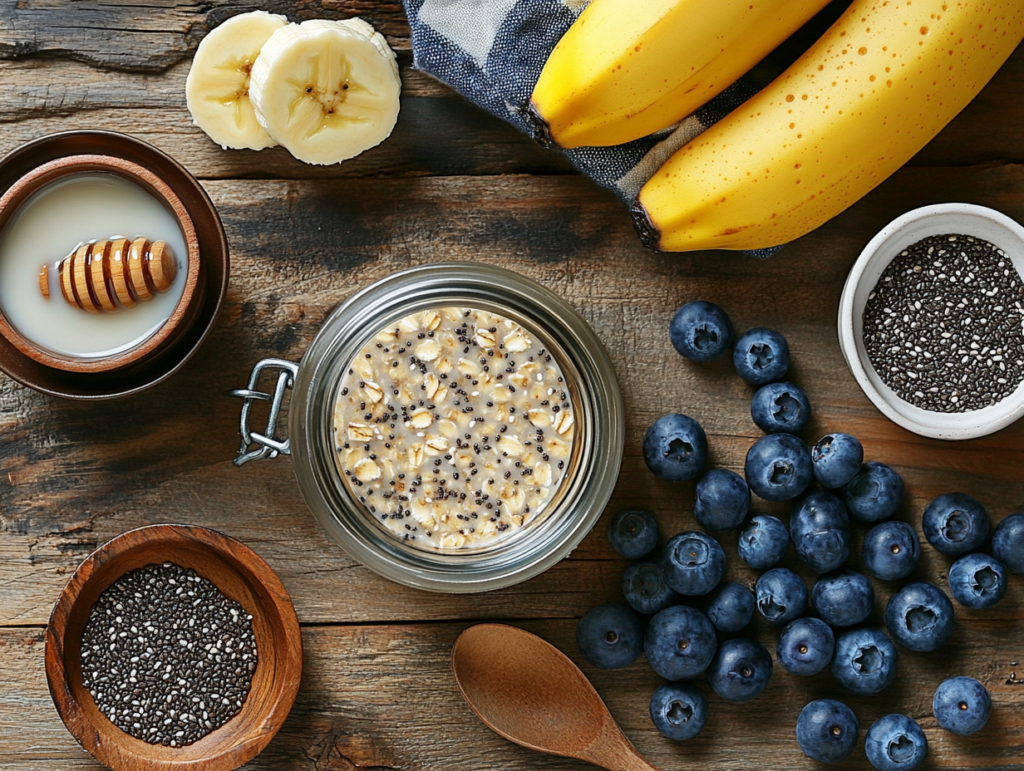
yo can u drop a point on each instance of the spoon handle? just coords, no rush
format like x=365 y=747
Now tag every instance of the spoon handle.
x=628 y=762
x=615 y=752
x=633 y=764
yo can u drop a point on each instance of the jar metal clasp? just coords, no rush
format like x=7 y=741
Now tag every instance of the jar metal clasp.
x=256 y=446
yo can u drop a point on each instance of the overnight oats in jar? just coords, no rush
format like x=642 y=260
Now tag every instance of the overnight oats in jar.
x=454 y=427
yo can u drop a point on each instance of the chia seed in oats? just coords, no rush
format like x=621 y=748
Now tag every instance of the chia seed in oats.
x=166 y=656
x=454 y=427
x=943 y=325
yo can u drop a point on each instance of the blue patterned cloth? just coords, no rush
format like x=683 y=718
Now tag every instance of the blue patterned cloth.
x=492 y=52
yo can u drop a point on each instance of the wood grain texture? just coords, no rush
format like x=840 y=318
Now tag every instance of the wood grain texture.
x=462 y=140
x=453 y=183
x=383 y=697
x=134 y=36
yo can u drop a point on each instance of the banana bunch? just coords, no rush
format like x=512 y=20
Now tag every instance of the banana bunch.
x=325 y=90
x=628 y=68
x=881 y=83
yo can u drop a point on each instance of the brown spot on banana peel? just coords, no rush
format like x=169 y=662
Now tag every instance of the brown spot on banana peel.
x=649 y=234
x=539 y=127
x=733 y=231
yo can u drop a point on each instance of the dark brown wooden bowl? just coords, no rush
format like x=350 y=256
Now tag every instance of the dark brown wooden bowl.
x=240 y=575
x=185 y=312
x=211 y=283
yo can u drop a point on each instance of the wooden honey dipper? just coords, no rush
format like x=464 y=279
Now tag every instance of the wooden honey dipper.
x=113 y=274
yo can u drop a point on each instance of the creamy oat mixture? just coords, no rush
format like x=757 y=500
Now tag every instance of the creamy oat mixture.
x=454 y=427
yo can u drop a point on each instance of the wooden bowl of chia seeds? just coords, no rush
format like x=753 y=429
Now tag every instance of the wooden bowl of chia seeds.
x=931 y=321
x=173 y=647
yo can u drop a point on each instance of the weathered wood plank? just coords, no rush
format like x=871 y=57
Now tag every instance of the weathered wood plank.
x=70 y=477
x=438 y=132
x=384 y=698
x=437 y=136
x=134 y=36
x=55 y=88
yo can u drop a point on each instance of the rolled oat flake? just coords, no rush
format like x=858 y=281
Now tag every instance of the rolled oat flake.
x=943 y=325
x=167 y=657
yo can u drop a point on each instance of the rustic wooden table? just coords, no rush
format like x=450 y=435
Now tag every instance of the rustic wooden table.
x=452 y=183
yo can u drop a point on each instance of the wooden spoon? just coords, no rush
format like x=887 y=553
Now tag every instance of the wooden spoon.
x=528 y=691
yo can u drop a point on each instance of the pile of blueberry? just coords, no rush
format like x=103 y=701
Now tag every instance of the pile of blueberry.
x=677 y=605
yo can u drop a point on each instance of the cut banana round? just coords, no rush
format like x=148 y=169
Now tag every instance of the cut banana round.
x=326 y=90
x=217 y=88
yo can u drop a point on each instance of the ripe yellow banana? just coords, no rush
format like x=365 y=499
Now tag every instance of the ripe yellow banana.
x=628 y=68
x=884 y=80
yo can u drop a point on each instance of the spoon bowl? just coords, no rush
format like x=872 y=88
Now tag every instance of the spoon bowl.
x=529 y=692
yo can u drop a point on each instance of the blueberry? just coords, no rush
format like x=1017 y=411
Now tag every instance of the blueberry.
x=920 y=617
x=843 y=599
x=700 y=331
x=633 y=533
x=763 y=542
x=1008 y=542
x=723 y=500
x=874 y=493
x=865 y=661
x=836 y=459
x=761 y=356
x=820 y=529
x=679 y=711
x=778 y=467
x=962 y=705
x=645 y=588
x=780 y=408
x=675 y=448
x=694 y=563
x=977 y=581
x=781 y=595
x=955 y=524
x=827 y=731
x=610 y=636
x=806 y=646
x=891 y=550
x=740 y=671
x=731 y=607
x=896 y=743
x=680 y=643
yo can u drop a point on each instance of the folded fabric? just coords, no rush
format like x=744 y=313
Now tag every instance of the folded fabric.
x=493 y=51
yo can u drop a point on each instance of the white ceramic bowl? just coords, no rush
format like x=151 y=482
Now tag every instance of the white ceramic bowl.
x=902 y=232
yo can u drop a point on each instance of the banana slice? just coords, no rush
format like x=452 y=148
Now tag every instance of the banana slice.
x=217 y=88
x=326 y=90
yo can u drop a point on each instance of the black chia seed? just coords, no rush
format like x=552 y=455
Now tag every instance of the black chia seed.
x=943 y=325
x=166 y=656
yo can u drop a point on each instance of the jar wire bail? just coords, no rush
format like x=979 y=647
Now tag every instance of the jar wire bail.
x=267 y=445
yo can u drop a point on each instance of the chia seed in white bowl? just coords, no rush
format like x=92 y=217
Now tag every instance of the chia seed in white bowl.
x=990 y=405
x=942 y=327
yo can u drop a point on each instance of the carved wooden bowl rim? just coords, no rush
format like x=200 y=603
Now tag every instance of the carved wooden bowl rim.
x=49 y=172
x=241 y=575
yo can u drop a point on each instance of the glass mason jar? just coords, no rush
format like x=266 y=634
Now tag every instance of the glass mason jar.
x=593 y=464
